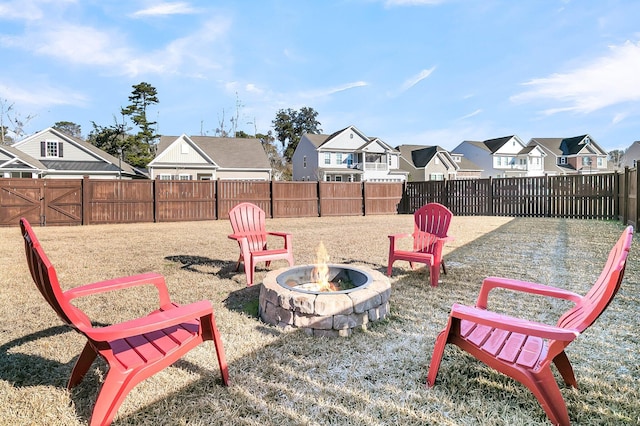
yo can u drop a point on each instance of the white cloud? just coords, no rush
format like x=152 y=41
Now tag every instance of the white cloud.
x=331 y=90
x=28 y=10
x=416 y=79
x=474 y=113
x=41 y=95
x=609 y=80
x=163 y=9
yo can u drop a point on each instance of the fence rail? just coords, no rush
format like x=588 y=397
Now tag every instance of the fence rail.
x=93 y=201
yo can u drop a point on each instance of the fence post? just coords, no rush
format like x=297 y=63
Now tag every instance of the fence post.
x=86 y=213
x=491 y=209
x=547 y=180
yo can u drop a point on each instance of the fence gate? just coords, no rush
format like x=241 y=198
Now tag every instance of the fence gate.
x=41 y=201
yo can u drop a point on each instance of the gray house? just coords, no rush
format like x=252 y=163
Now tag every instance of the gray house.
x=53 y=154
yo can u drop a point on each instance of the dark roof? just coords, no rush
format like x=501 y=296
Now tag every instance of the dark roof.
x=572 y=146
x=496 y=144
x=78 y=166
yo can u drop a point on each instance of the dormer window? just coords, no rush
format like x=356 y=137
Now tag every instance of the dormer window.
x=562 y=160
x=49 y=149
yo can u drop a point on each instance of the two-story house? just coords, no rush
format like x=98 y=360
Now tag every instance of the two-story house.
x=575 y=155
x=424 y=163
x=51 y=153
x=347 y=155
x=209 y=158
x=504 y=157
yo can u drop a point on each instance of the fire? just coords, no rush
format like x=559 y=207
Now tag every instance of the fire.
x=320 y=273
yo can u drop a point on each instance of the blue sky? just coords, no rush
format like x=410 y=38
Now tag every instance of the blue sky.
x=429 y=72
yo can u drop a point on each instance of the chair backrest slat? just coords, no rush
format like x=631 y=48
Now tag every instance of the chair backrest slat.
x=46 y=279
x=249 y=220
x=605 y=288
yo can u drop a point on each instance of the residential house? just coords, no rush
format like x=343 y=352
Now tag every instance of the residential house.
x=467 y=169
x=347 y=155
x=16 y=164
x=51 y=153
x=209 y=158
x=503 y=157
x=424 y=163
x=631 y=156
x=576 y=155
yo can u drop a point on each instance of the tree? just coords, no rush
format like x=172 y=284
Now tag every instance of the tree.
x=142 y=96
x=290 y=125
x=281 y=170
x=68 y=127
x=15 y=122
x=112 y=139
x=616 y=156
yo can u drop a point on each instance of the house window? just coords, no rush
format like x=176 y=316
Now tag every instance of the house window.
x=184 y=177
x=339 y=158
x=389 y=159
x=338 y=178
x=563 y=160
x=50 y=149
x=600 y=162
x=304 y=162
x=436 y=160
x=436 y=176
x=586 y=161
x=184 y=148
x=349 y=159
x=165 y=177
x=327 y=158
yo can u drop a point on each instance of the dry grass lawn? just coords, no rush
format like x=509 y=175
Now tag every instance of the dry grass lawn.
x=374 y=377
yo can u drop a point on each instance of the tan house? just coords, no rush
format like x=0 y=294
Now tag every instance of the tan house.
x=52 y=154
x=209 y=158
x=425 y=163
x=467 y=169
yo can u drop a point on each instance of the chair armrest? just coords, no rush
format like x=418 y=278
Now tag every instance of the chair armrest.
x=513 y=324
x=398 y=236
x=152 y=322
x=279 y=234
x=490 y=283
x=236 y=237
x=121 y=283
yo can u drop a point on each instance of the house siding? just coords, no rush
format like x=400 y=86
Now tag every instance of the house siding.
x=71 y=152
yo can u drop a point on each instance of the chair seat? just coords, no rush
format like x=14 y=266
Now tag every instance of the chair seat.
x=148 y=348
x=509 y=347
x=271 y=254
x=413 y=256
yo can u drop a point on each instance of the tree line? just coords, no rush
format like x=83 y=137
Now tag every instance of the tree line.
x=133 y=136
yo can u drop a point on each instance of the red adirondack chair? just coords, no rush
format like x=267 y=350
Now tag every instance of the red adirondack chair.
x=431 y=224
x=524 y=350
x=249 y=230
x=134 y=350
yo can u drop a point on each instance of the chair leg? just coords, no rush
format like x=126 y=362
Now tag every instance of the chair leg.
x=444 y=268
x=389 y=265
x=566 y=370
x=115 y=388
x=436 y=357
x=222 y=361
x=546 y=390
x=434 y=271
x=248 y=270
x=84 y=361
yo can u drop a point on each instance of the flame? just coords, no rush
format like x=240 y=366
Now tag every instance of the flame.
x=320 y=273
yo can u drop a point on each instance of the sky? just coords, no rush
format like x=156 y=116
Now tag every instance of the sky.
x=423 y=72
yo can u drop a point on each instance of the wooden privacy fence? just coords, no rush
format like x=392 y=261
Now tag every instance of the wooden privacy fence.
x=95 y=201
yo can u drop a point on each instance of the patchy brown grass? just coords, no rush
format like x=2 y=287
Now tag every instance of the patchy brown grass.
x=375 y=377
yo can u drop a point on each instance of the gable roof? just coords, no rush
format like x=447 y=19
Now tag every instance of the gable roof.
x=227 y=153
x=19 y=159
x=567 y=146
x=105 y=162
x=495 y=144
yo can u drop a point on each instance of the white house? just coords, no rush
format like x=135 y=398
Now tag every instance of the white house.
x=209 y=158
x=347 y=155
x=51 y=153
x=504 y=157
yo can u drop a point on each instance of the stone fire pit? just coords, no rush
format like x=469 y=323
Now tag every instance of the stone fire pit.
x=324 y=313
